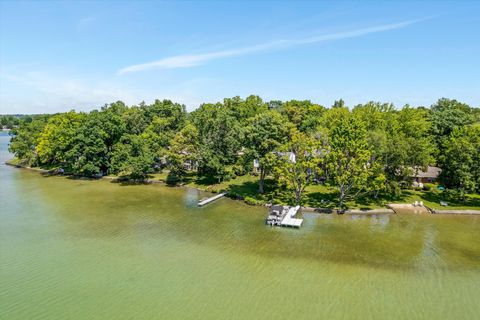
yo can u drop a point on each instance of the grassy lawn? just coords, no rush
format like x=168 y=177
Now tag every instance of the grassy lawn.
x=317 y=196
x=161 y=176
x=321 y=196
x=432 y=199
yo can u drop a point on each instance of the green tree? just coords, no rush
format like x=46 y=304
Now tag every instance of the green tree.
x=266 y=133
x=9 y=121
x=132 y=157
x=414 y=129
x=446 y=115
x=220 y=139
x=399 y=140
x=136 y=120
x=245 y=109
x=183 y=149
x=174 y=113
x=339 y=104
x=94 y=140
x=57 y=137
x=461 y=159
x=166 y=119
x=299 y=164
x=89 y=154
x=305 y=115
x=25 y=138
x=349 y=157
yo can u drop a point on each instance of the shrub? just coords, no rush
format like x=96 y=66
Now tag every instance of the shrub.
x=393 y=188
x=238 y=170
x=251 y=201
x=228 y=173
x=234 y=195
x=172 y=179
x=429 y=187
x=454 y=194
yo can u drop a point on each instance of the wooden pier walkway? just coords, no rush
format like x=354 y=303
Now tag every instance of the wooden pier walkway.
x=289 y=220
x=211 y=199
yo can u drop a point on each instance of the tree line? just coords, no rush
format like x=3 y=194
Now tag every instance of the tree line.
x=370 y=149
x=8 y=121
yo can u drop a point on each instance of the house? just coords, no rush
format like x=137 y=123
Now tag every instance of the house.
x=290 y=155
x=256 y=166
x=428 y=176
x=190 y=165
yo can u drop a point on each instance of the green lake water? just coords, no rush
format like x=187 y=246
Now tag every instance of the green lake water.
x=77 y=249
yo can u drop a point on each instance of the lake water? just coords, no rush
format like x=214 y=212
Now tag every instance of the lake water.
x=76 y=249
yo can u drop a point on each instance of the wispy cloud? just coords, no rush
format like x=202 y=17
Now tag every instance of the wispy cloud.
x=85 y=22
x=191 y=60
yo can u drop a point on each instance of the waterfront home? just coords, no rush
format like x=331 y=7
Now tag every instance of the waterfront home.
x=428 y=176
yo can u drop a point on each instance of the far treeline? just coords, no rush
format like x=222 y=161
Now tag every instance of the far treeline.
x=9 y=121
x=369 y=150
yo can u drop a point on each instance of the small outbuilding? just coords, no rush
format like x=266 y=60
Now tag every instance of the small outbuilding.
x=428 y=176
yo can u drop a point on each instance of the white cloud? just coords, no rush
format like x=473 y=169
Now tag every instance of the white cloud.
x=191 y=60
x=31 y=91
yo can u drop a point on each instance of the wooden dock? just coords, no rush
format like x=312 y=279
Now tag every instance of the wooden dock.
x=211 y=199
x=284 y=217
x=289 y=220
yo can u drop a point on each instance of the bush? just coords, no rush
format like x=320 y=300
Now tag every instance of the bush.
x=172 y=179
x=234 y=195
x=228 y=173
x=429 y=187
x=454 y=195
x=394 y=188
x=253 y=202
x=238 y=170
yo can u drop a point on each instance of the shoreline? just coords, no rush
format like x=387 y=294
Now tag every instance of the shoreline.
x=389 y=209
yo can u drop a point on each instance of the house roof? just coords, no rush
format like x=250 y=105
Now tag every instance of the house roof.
x=432 y=172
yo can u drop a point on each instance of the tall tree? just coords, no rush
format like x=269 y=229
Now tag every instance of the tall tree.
x=183 y=149
x=461 y=159
x=299 y=164
x=446 y=115
x=245 y=109
x=305 y=115
x=166 y=118
x=136 y=120
x=220 y=139
x=57 y=137
x=266 y=133
x=89 y=154
x=132 y=157
x=25 y=138
x=349 y=157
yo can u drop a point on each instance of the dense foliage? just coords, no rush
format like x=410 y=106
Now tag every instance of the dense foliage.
x=9 y=121
x=370 y=149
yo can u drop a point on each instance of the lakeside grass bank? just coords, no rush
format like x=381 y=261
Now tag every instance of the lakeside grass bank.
x=317 y=197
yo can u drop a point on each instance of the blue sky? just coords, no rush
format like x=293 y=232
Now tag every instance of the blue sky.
x=57 y=56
